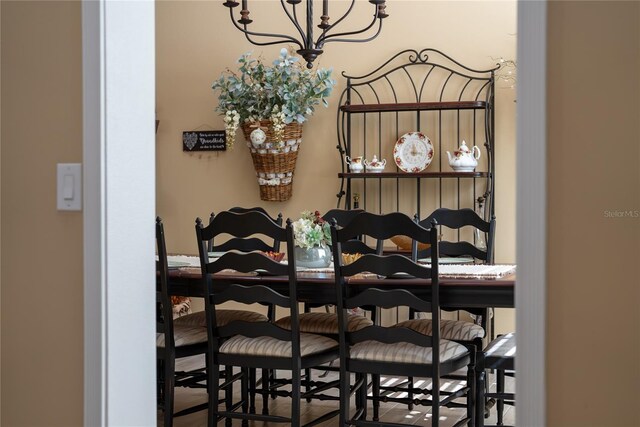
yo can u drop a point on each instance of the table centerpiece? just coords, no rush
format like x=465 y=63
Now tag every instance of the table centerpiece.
x=312 y=239
x=270 y=104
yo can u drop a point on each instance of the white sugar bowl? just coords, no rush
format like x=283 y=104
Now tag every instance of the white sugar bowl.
x=375 y=165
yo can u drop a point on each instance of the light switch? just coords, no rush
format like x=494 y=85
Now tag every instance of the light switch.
x=69 y=187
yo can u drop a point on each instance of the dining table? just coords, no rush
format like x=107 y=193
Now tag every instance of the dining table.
x=317 y=287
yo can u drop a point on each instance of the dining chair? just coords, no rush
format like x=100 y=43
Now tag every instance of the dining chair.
x=393 y=350
x=356 y=245
x=248 y=244
x=260 y=345
x=456 y=219
x=173 y=341
x=242 y=245
x=326 y=323
x=500 y=356
x=464 y=332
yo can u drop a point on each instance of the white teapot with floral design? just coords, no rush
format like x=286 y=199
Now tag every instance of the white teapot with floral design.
x=464 y=159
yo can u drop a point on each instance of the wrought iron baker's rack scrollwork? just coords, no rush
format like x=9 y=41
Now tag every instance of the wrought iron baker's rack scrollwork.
x=437 y=92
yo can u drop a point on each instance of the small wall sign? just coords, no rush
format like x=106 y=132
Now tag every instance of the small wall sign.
x=204 y=140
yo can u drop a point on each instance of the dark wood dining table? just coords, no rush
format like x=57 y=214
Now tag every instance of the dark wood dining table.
x=318 y=287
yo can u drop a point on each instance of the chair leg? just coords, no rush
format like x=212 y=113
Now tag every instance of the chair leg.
x=295 y=398
x=435 y=402
x=228 y=373
x=375 y=391
x=410 y=392
x=343 y=416
x=307 y=386
x=169 y=387
x=252 y=390
x=244 y=391
x=363 y=396
x=480 y=395
x=160 y=382
x=471 y=394
x=500 y=389
x=213 y=386
x=266 y=381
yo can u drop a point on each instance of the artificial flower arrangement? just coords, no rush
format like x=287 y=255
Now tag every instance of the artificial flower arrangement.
x=283 y=93
x=311 y=231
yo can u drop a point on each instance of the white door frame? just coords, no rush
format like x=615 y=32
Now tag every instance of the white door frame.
x=118 y=55
x=531 y=213
x=119 y=98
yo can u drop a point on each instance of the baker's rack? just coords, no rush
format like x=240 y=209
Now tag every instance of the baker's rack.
x=430 y=92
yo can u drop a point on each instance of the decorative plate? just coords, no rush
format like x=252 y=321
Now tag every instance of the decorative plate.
x=413 y=152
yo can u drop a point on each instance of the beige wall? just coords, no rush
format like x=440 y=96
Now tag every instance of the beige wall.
x=196 y=42
x=593 y=290
x=42 y=304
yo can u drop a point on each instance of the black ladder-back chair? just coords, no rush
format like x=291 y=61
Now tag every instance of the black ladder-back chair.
x=394 y=350
x=327 y=323
x=356 y=245
x=463 y=332
x=257 y=345
x=249 y=244
x=456 y=219
x=173 y=341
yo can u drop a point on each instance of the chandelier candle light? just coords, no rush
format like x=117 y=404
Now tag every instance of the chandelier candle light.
x=309 y=48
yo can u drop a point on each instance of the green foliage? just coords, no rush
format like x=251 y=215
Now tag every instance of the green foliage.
x=257 y=91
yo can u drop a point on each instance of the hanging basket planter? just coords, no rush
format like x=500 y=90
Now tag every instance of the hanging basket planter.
x=274 y=161
x=278 y=92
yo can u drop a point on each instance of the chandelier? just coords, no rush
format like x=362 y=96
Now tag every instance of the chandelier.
x=309 y=48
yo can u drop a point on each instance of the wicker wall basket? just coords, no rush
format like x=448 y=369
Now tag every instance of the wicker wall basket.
x=274 y=165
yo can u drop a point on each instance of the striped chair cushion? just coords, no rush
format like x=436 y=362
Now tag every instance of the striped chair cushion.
x=457 y=330
x=405 y=352
x=325 y=323
x=223 y=317
x=184 y=335
x=271 y=347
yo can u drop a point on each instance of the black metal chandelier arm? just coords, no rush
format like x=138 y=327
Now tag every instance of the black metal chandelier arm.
x=257 y=43
x=326 y=38
x=357 y=40
x=293 y=19
x=286 y=38
x=353 y=2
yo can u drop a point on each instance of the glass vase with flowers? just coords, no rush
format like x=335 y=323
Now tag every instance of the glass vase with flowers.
x=312 y=239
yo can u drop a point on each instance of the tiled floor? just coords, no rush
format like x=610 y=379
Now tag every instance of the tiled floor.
x=389 y=412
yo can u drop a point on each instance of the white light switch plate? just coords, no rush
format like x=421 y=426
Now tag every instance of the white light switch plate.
x=69 y=187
